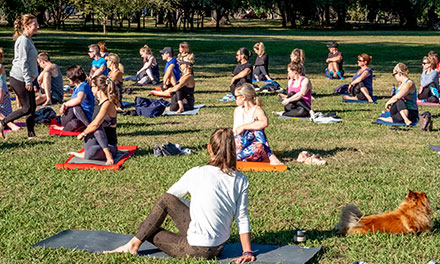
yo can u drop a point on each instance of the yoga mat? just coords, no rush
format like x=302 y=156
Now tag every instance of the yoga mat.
x=387 y=114
x=189 y=112
x=259 y=166
x=119 y=155
x=436 y=148
x=96 y=164
x=98 y=241
x=294 y=118
x=58 y=132
x=127 y=104
x=426 y=103
x=19 y=124
x=13 y=98
x=358 y=101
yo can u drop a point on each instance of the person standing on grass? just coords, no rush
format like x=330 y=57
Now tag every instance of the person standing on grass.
x=335 y=61
x=361 y=87
x=99 y=64
x=218 y=195
x=50 y=80
x=403 y=105
x=249 y=124
x=172 y=71
x=23 y=72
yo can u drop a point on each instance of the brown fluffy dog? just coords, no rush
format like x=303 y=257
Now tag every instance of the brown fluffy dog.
x=412 y=216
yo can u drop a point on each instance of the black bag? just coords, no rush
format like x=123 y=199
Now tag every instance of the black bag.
x=169 y=149
x=45 y=115
x=425 y=122
x=341 y=89
x=271 y=87
x=150 y=107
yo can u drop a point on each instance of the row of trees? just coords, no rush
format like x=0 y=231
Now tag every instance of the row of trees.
x=187 y=13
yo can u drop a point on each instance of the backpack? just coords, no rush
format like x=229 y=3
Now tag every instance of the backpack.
x=45 y=115
x=425 y=122
x=150 y=107
x=271 y=87
x=169 y=149
x=341 y=89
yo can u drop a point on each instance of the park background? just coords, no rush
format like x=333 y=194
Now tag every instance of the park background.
x=369 y=165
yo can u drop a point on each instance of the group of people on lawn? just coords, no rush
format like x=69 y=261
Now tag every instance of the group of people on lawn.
x=204 y=226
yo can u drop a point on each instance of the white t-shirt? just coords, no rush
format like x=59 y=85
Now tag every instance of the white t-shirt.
x=216 y=198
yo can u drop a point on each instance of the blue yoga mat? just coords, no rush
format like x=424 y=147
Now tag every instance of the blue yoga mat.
x=190 y=112
x=358 y=101
x=98 y=241
x=436 y=148
x=387 y=114
x=125 y=104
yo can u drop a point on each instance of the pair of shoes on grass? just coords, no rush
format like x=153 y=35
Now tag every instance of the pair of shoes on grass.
x=307 y=158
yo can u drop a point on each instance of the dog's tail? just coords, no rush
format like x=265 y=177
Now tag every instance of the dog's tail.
x=349 y=218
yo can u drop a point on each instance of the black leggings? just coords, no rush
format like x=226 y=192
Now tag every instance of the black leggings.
x=296 y=109
x=175 y=245
x=261 y=72
x=28 y=106
x=95 y=143
x=356 y=91
x=427 y=95
x=74 y=119
x=400 y=105
x=179 y=96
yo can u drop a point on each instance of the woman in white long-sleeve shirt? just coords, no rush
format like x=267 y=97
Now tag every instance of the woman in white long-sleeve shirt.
x=218 y=195
x=23 y=72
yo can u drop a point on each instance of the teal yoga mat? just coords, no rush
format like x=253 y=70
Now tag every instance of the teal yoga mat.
x=98 y=241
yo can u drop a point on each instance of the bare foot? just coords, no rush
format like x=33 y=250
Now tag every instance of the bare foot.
x=2 y=133
x=57 y=127
x=78 y=155
x=274 y=160
x=13 y=126
x=131 y=247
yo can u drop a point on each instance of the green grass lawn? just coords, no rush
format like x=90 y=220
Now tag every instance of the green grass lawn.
x=369 y=165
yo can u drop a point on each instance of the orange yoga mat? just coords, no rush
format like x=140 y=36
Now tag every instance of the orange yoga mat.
x=259 y=166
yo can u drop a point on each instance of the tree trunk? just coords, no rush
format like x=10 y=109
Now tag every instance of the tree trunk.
x=104 y=25
x=143 y=21
x=327 y=15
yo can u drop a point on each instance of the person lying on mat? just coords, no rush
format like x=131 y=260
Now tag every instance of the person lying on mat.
x=172 y=72
x=261 y=67
x=403 y=105
x=182 y=94
x=429 y=85
x=77 y=112
x=243 y=70
x=249 y=124
x=50 y=80
x=298 y=101
x=361 y=87
x=100 y=140
x=218 y=195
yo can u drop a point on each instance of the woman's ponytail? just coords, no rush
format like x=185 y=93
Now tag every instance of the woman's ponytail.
x=17 y=29
x=223 y=150
x=112 y=92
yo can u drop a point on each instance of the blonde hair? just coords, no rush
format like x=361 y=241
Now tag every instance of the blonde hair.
x=223 y=150
x=402 y=69
x=20 y=22
x=102 y=46
x=248 y=91
x=106 y=85
x=2 y=56
x=116 y=60
x=43 y=56
x=185 y=46
x=430 y=60
x=366 y=58
x=188 y=61
x=261 y=49
x=298 y=56
x=147 y=51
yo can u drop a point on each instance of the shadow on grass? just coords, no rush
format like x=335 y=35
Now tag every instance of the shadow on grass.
x=130 y=124
x=293 y=154
x=158 y=133
x=26 y=143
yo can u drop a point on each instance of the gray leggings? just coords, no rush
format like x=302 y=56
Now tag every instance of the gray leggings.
x=261 y=72
x=175 y=245
x=94 y=145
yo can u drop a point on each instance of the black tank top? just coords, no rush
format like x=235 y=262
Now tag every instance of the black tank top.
x=108 y=125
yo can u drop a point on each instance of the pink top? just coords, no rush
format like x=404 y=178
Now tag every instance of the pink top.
x=306 y=98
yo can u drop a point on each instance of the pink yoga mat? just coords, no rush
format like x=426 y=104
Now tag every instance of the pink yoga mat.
x=20 y=124
x=426 y=103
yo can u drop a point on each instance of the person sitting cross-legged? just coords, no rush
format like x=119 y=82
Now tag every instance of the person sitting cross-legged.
x=361 y=87
x=50 y=80
x=335 y=61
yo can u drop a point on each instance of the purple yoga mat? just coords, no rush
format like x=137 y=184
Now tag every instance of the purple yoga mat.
x=426 y=103
x=20 y=124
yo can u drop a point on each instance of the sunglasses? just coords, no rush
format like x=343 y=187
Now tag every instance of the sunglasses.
x=361 y=60
x=236 y=55
x=91 y=51
x=237 y=96
x=425 y=62
x=395 y=73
